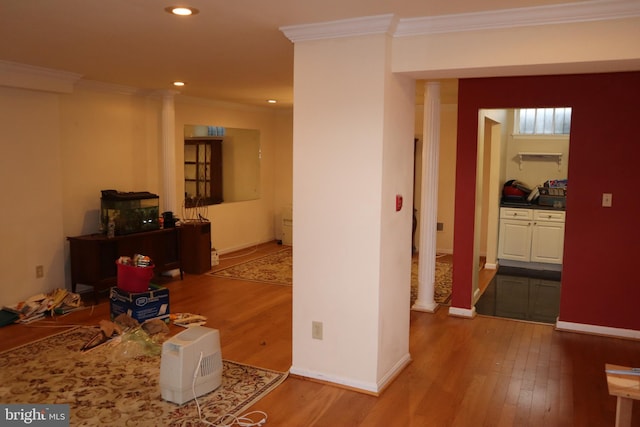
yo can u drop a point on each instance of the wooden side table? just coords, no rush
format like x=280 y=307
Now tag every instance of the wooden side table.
x=626 y=388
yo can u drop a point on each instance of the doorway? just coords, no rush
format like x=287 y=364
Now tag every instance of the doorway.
x=526 y=286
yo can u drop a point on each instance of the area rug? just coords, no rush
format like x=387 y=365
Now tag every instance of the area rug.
x=441 y=286
x=106 y=387
x=276 y=268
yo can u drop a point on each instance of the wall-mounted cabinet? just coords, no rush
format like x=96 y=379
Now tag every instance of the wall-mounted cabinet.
x=531 y=235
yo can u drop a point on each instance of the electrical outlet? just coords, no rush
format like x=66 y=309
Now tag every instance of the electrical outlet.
x=39 y=271
x=607 y=199
x=316 y=330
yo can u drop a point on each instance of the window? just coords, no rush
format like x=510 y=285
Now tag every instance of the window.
x=543 y=121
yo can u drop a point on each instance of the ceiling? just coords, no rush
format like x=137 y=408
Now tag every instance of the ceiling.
x=232 y=50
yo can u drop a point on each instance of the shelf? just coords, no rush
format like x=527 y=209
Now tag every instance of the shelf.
x=556 y=157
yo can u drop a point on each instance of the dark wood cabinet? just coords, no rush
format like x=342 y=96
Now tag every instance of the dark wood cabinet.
x=93 y=256
x=196 y=246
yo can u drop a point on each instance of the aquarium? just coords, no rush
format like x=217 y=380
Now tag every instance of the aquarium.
x=128 y=212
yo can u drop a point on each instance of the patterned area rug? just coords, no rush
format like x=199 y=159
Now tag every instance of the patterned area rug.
x=105 y=387
x=441 y=286
x=277 y=268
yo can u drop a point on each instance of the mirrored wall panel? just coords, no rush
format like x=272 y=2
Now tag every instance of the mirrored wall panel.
x=221 y=165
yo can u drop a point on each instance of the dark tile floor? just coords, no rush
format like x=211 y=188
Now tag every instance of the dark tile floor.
x=517 y=293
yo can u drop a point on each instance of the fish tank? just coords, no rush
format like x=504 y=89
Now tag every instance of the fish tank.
x=128 y=212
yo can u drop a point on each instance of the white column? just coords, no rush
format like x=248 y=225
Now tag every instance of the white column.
x=429 y=199
x=168 y=196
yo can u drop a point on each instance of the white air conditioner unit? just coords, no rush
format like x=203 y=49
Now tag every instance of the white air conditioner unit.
x=191 y=364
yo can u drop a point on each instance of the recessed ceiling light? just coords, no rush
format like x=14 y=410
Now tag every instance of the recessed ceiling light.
x=271 y=101
x=179 y=83
x=181 y=10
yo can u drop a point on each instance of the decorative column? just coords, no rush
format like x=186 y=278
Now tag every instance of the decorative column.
x=168 y=196
x=429 y=199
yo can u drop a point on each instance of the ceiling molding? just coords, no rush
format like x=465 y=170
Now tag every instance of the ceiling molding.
x=229 y=105
x=378 y=24
x=595 y=10
x=583 y=11
x=97 y=86
x=13 y=74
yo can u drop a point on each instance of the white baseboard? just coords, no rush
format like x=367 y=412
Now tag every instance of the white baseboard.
x=598 y=330
x=430 y=307
x=476 y=297
x=241 y=247
x=345 y=382
x=462 y=312
x=366 y=387
x=393 y=372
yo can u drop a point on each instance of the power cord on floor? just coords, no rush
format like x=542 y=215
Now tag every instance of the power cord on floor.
x=227 y=420
x=252 y=251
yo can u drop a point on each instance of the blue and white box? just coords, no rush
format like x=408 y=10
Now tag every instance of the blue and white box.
x=142 y=306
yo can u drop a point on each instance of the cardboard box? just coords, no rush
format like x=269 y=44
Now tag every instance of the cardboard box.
x=142 y=306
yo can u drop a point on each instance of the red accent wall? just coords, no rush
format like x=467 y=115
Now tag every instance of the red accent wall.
x=601 y=269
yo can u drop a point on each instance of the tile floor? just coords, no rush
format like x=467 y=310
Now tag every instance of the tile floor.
x=522 y=294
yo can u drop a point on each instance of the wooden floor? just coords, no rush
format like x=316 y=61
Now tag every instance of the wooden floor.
x=464 y=372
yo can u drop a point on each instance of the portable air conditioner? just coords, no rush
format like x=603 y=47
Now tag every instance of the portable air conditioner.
x=191 y=364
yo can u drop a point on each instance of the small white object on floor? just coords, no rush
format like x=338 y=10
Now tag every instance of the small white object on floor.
x=171 y=273
x=187 y=320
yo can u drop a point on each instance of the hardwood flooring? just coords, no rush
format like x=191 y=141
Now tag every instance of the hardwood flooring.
x=464 y=372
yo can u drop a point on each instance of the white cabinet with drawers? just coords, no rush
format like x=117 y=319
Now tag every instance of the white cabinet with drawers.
x=531 y=235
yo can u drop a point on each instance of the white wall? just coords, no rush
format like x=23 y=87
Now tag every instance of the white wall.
x=31 y=229
x=502 y=51
x=283 y=168
x=492 y=135
x=352 y=155
x=107 y=141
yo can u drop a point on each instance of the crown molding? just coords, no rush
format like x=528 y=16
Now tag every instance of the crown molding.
x=214 y=103
x=13 y=74
x=581 y=11
x=96 y=86
x=378 y=24
x=594 y=10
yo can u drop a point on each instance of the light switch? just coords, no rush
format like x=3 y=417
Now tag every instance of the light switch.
x=607 y=198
